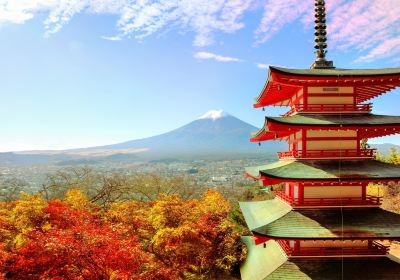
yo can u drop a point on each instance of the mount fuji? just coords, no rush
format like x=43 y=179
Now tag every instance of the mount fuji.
x=215 y=132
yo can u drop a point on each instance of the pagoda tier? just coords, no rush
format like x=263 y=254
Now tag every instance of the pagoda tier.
x=325 y=172
x=326 y=90
x=332 y=121
x=274 y=219
x=365 y=124
x=270 y=262
x=327 y=136
x=325 y=183
x=327 y=233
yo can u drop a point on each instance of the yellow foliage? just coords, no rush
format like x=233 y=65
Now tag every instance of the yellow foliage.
x=6 y=233
x=376 y=190
x=171 y=211
x=214 y=203
x=27 y=215
x=132 y=216
x=77 y=200
x=28 y=211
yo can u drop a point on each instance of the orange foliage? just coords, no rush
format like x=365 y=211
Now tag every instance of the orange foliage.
x=168 y=238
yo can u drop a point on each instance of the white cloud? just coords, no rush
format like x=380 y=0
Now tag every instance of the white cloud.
x=137 y=18
x=371 y=27
x=368 y=26
x=208 y=55
x=385 y=49
x=277 y=14
x=262 y=65
x=112 y=38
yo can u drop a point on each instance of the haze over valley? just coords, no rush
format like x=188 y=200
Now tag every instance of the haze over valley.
x=213 y=150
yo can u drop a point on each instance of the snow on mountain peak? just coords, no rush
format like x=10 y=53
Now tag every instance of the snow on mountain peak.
x=214 y=115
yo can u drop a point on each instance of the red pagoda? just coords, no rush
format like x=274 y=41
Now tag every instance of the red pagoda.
x=322 y=224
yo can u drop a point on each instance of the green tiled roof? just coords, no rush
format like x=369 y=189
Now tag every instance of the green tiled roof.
x=337 y=72
x=271 y=263
x=255 y=170
x=336 y=119
x=261 y=261
x=331 y=269
x=259 y=213
x=327 y=170
x=319 y=223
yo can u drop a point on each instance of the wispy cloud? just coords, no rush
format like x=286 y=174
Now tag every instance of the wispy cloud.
x=371 y=27
x=386 y=48
x=112 y=38
x=277 y=14
x=217 y=57
x=137 y=18
x=262 y=65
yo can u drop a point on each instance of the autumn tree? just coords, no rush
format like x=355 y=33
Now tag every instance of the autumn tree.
x=195 y=238
x=78 y=244
x=58 y=183
x=147 y=187
x=10 y=189
x=76 y=237
x=107 y=188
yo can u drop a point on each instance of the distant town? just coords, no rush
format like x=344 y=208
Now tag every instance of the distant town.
x=212 y=173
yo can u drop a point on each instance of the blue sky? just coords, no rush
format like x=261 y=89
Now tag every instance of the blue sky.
x=84 y=73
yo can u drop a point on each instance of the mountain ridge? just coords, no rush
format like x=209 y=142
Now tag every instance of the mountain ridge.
x=216 y=133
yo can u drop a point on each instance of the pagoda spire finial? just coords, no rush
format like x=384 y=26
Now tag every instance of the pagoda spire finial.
x=320 y=37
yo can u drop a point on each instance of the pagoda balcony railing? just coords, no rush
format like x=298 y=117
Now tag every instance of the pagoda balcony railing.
x=336 y=201
x=321 y=154
x=329 y=108
x=374 y=249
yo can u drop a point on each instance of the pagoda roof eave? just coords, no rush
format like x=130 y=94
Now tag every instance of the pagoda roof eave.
x=325 y=120
x=353 y=268
x=261 y=261
x=276 y=128
x=259 y=213
x=282 y=83
x=326 y=170
x=336 y=72
x=319 y=224
x=264 y=134
x=270 y=95
x=271 y=263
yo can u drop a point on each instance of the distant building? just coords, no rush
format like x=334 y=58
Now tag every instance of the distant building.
x=219 y=179
x=323 y=224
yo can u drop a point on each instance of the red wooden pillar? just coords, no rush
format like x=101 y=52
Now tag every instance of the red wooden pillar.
x=292 y=148
x=364 y=191
x=303 y=143
x=305 y=98
x=301 y=193
x=358 y=143
x=263 y=181
x=297 y=246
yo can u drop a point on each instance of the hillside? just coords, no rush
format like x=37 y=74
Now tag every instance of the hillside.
x=216 y=134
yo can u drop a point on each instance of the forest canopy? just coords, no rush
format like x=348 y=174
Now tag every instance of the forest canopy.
x=118 y=231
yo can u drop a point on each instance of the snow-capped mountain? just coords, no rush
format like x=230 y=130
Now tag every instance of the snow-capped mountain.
x=214 y=132
x=214 y=115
